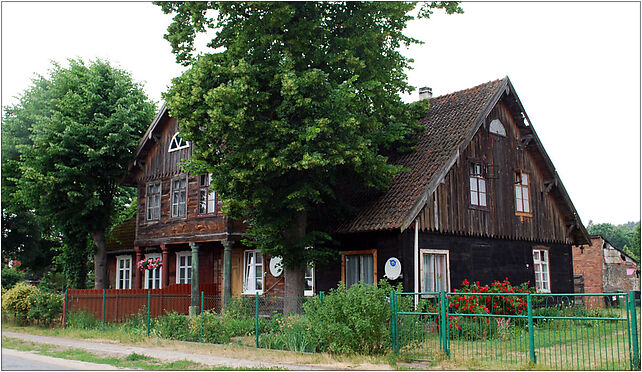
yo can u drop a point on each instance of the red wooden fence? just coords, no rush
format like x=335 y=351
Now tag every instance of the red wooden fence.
x=121 y=304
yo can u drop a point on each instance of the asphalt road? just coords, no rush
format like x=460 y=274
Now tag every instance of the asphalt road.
x=14 y=360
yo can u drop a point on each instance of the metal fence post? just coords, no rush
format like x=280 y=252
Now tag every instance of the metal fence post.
x=202 y=297
x=64 y=309
x=531 y=331
x=443 y=322
x=149 y=303
x=634 y=331
x=321 y=297
x=392 y=319
x=257 y=320
x=447 y=333
x=103 y=326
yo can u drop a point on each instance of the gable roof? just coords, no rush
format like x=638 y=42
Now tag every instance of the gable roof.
x=451 y=123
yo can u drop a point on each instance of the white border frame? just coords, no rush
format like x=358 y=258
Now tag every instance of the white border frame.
x=178 y=255
x=170 y=149
x=548 y=266
x=160 y=200
x=310 y=292
x=257 y=252
x=445 y=252
x=118 y=269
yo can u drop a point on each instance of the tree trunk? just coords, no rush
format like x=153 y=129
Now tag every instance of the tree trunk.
x=100 y=259
x=295 y=276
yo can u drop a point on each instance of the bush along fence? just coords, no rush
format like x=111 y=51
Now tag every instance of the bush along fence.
x=490 y=325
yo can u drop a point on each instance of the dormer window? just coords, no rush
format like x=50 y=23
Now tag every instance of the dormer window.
x=496 y=127
x=177 y=143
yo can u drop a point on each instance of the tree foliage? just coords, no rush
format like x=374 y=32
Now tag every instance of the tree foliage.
x=83 y=124
x=296 y=102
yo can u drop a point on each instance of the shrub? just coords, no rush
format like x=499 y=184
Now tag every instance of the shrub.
x=82 y=320
x=44 y=307
x=175 y=326
x=354 y=320
x=241 y=307
x=53 y=281
x=11 y=276
x=16 y=301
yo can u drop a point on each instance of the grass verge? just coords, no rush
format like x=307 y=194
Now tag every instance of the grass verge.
x=132 y=361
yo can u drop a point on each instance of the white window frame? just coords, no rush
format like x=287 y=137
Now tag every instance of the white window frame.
x=210 y=201
x=543 y=260
x=309 y=292
x=120 y=269
x=157 y=274
x=522 y=189
x=247 y=271
x=476 y=180
x=148 y=204
x=188 y=268
x=443 y=252
x=173 y=197
x=177 y=143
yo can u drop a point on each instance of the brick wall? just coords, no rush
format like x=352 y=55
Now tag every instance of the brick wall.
x=588 y=262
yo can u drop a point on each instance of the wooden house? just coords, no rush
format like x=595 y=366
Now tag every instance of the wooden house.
x=481 y=200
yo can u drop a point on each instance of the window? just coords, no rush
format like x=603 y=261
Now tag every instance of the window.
x=308 y=287
x=359 y=266
x=124 y=272
x=497 y=127
x=184 y=267
x=179 y=197
x=177 y=143
x=207 y=197
x=153 y=201
x=153 y=277
x=253 y=273
x=522 y=203
x=542 y=272
x=477 y=185
x=435 y=270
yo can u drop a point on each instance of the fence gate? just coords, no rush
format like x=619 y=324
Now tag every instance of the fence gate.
x=578 y=331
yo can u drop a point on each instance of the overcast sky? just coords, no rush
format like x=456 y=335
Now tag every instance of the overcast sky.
x=575 y=66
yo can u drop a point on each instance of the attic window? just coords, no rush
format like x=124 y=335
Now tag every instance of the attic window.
x=497 y=128
x=177 y=143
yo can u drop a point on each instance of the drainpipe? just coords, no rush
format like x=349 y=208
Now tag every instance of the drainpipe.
x=194 y=306
x=227 y=272
x=416 y=251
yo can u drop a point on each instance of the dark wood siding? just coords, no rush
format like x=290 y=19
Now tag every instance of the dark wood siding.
x=159 y=165
x=502 y=156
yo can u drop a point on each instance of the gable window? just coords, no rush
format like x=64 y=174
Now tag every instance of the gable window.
x=308 y=287
x=206 y=197
x=253 y=273
x=435 y=270
x=184 y=267
x=522 y=200
x=153 y=277
x=542 y=272
x=177 y=143
x=477 y=185
x=153 y=201
x=496 y=127
x=359 y=266
x=123 y=272
x=179 y=197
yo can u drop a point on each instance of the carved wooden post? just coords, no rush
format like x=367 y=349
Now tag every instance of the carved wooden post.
x=227 y=272
x=165 y=270
x=138 y=275
x=194 y=306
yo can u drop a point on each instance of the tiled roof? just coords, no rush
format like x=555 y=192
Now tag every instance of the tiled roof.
x=122 y=236
x=449 y=125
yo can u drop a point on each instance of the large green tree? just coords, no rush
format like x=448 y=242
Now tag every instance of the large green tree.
x=295 y=102
x=89 y=120
x=625 y=236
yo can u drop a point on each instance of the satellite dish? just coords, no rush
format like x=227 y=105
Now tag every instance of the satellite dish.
x=393 y=268
x=276 y=266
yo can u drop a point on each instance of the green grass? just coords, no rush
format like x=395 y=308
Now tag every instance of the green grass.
x=132 y=361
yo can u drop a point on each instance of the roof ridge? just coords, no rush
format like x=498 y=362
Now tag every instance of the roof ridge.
x=471 y=88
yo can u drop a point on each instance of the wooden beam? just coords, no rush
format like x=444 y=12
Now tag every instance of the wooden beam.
x=549 y=185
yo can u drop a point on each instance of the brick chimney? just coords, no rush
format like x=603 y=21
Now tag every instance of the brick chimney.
x=425 y=93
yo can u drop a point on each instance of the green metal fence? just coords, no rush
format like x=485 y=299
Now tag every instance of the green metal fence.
x=558 y=331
